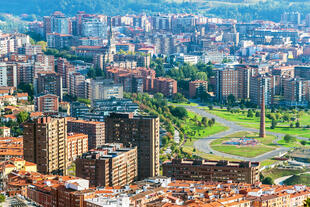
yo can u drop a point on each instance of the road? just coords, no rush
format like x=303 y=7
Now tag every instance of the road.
x=203 y=144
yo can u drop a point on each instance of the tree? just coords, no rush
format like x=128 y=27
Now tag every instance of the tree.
x=267 y=181
x=178 y=98
x=286 y=117
x=307 y=202
x=201 y=76
x=297 y=125
x=165 y=140
x=250 y=113
x=204 y=121
x=22 y=117
x=273 y=124
x=26 y=87
x=213 y=121
x=159 y=96
x=179 y=112
x=43 y=44
x=91 y=73
x=303 y=142
x=83 y=100
x=231 y=99
x=2 y=198
x=289 y=138
x=210 y=123
x=257 y=114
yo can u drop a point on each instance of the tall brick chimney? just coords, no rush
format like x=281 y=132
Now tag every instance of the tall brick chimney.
x=262 y=130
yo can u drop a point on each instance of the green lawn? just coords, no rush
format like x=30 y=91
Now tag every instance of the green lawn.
x=71 y=169
x=189 y=150
x=193 y=130
x=303 y=179
x=183 y=104
x=264 y=146
x=243 y=120
x=277 y=173
x=267 y=162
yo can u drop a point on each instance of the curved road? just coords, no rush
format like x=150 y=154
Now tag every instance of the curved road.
x=204 y=143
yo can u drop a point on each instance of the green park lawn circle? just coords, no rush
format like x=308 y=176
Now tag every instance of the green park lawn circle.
x=265 y=145
x=253 y=122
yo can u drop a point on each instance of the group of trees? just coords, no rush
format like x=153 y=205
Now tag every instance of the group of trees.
x=183 y=73
x=171 y=117
x=178 y=98
x=65 y=53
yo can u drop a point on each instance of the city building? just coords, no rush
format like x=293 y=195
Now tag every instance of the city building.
x=79 y=86
x=63 y=69
x=49 y=83
x=57 y=23
x=5 y=131
x=214 y=171
x=45 y=141
x=108 y=165
x=105 y=89
x=295 y=92
x=226 y=84
x=15 y=164
x=291 y=18
x=94 y=130
x=166 y=86
x=77 y=144
x=11 y=147
x=259 y=83
x=139 y=131
x=197 y=88
x=47 y=103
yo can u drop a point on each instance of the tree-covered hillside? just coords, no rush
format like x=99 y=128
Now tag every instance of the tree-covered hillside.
x=254 y=9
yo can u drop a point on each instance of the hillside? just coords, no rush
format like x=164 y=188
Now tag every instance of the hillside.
x=246 y=10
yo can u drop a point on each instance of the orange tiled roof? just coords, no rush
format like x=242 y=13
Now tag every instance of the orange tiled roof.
x=22 y=94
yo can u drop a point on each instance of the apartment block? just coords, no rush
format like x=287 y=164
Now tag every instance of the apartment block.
x=77 y=144
x=261 y=84
x=11 y=147
x=215 y=171
x=49 y=83
x=63 y=69
x=198 y=87
x=108 y=165
x=166 y=86
x=47 y=103
x=226 y=84
x=139 y=131
x=45 y=142
x=94 y=130
x=106 y=89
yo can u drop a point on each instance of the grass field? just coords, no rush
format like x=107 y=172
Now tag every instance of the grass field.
x=303 y=179
x=71 y=169
x=267 y=162
x=183 y=104
x=277 y=173
x=243 y=120
x=189 y=150
x=194 y=131
x=265 y=145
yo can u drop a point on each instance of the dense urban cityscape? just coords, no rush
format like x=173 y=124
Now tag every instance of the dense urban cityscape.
x=155 y=109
